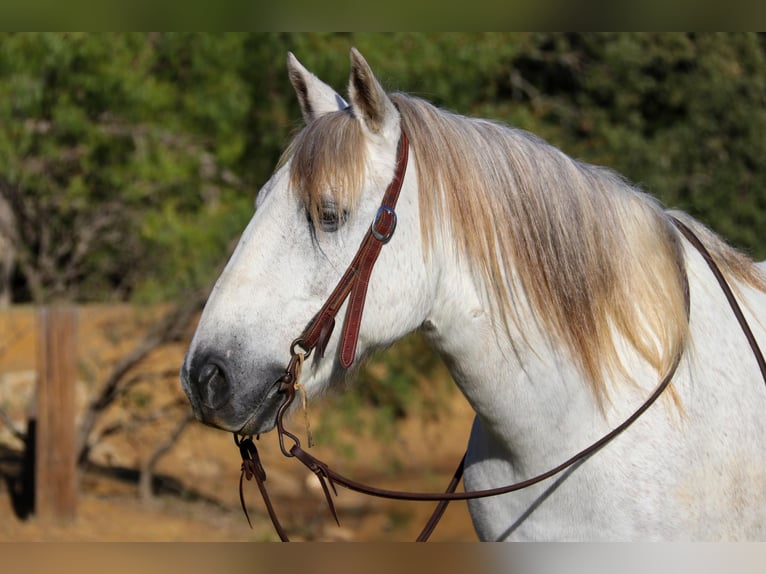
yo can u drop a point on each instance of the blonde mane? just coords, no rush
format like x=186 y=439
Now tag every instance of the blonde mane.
x=592 y=255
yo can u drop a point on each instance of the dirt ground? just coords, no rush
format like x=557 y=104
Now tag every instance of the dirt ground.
x=196 y=484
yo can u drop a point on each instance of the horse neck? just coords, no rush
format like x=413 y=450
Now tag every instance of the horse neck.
x=526 y=390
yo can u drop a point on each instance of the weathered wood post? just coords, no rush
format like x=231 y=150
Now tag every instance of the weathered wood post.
x=55 y=462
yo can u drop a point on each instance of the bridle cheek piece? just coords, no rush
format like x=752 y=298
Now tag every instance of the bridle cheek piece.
x=353 y=286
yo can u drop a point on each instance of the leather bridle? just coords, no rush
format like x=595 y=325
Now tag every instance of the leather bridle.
x=353 y=285
x=315 y=336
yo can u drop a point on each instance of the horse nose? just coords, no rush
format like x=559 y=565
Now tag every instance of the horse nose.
x=213 y=386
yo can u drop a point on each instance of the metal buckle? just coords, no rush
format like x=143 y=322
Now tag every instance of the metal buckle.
x=383 y=237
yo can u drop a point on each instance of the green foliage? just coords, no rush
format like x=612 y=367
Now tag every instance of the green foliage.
x=104 y=132
x=683 y=115
x=132 y=160
x=187 y=246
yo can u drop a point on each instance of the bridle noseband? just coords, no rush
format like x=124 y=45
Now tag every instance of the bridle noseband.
x=315 y=336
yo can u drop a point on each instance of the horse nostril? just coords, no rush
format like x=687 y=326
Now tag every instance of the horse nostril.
x=208 y=373
x=214 y=385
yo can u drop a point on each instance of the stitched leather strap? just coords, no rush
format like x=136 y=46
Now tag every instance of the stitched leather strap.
x=334 y=477
x=699 y=246
x=326 y=475
x=356 y=279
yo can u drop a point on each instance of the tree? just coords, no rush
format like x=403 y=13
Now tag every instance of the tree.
x=131 y=160
x=680 y=114
x=104 y=134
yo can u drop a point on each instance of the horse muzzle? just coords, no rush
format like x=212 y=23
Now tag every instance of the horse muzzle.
x=220 y=398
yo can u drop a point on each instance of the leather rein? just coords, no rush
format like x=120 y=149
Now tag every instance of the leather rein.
x=353 y=286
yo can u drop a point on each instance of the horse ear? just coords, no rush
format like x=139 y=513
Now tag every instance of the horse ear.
x=314 y=96
x=369 y=101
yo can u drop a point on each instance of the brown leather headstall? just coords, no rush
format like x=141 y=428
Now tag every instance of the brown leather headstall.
x=356 y=279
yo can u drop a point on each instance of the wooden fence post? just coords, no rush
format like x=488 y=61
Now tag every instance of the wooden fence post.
x=55 y=462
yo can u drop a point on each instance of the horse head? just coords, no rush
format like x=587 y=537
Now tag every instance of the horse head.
x=310 y=218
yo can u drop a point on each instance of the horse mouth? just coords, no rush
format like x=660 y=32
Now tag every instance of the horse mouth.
x=264 y=418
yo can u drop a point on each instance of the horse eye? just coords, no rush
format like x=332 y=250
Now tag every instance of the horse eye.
x=331 y=217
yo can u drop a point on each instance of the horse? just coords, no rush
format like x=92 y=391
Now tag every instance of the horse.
x=557 y=293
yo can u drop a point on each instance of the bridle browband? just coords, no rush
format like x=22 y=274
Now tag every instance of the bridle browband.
x=354 y=284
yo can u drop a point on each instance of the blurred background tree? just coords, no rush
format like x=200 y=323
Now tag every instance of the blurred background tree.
x=129 y=162
x=119 y=156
